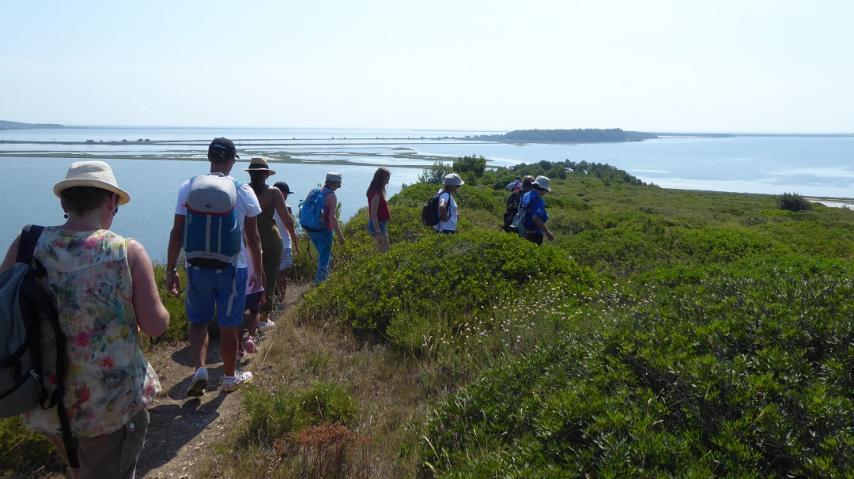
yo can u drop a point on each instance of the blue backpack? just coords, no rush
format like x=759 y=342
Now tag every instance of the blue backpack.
x=311 y=211
x=212 y=234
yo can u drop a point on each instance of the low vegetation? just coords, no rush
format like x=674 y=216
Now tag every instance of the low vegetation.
x=663 y=333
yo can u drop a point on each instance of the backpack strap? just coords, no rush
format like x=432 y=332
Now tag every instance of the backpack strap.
x=38 y=296
x=27 y=243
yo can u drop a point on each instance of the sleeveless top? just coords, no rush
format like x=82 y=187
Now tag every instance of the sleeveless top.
x=267 y=229
x=382 y=209
x=109 y=380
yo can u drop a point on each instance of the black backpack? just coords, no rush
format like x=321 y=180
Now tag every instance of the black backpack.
x=430 y=211
x=25 y=305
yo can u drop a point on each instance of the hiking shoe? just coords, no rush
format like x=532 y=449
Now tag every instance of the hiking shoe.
x=249 y=346
x=266 y=325
x=231 y=383
x=200 y=382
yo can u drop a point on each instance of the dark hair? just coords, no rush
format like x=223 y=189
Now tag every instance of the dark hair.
x=283 y=187
x=528 y=181
x=83 y=199
x=221 y=150
x=381 y=176
x=259 y=182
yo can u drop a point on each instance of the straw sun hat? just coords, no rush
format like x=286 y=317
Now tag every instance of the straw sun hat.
x=259 y=164
x=94 y=174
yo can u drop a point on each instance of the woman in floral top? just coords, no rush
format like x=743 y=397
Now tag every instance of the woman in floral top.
x=105 y=292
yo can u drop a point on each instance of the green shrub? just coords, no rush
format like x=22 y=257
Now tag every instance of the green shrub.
x=793 y=202
x=739 y=375
x=434 y=174
x=178 y=322
x=474 y=165
x=437 y=276
x=274 y=415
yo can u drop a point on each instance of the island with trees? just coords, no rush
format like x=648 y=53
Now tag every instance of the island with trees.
x=576 y=135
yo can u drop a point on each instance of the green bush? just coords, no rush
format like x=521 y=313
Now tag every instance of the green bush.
x=793 y=202
x=273 y=415
x=438 y=275
x=474 y=165
x=434 y=174
x=739 y=375
x=178 y=322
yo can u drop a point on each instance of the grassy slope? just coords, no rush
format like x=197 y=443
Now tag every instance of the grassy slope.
x=664 y=332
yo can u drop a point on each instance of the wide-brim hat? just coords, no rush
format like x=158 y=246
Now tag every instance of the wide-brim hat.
x=259 y=164
x=334 y=177
x=542 y=183
x=452 y=179
x=94 y=174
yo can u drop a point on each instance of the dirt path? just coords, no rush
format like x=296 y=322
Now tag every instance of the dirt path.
x=183 y=431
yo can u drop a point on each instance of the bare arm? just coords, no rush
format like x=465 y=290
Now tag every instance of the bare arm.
x=444 y=207
x=176 y=242
x=331 y=205
x=538 y=222
x=151 y=316
x=11 y=255
x=253 y=242
x=375 y=208
x=287 y=220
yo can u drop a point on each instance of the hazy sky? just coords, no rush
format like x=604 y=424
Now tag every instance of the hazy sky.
x=645 y=65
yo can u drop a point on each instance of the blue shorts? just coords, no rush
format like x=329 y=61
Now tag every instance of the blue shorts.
x=223 y=288
x=383 y=228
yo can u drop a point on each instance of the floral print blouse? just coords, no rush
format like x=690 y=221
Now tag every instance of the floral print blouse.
x=109 y=380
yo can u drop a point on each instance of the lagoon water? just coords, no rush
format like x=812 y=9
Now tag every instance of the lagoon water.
x=152 y=172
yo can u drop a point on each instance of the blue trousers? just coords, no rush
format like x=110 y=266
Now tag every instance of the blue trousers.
x=322 y=241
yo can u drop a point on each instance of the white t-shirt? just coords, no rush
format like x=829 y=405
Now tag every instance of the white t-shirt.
x=286 y=237
x=451 y=224
x=247 y=206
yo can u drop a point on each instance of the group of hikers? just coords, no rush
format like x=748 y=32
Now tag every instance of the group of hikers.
x=238 y=240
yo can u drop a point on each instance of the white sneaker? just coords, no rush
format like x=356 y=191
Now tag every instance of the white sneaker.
x=266 y=325
x=231 y=383
x=200 y=382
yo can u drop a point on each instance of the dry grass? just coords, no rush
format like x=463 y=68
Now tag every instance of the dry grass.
x=391 y=393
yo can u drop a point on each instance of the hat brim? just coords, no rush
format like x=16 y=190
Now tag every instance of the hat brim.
x=124 y=197
x=250 y=170
x=541 y=188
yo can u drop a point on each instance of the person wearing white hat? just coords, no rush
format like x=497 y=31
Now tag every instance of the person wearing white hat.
x=535 y=211
x=448 y=211
x=322 y=239
x=105 y=293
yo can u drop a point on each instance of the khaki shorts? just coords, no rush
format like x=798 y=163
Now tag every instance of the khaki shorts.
x=111 y=455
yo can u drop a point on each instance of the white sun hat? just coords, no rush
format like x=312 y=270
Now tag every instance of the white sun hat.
x=94 y=174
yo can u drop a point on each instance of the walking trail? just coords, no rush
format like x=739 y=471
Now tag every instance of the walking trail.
x=184 y=431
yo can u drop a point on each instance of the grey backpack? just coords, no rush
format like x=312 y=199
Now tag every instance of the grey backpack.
x=518 y=223
x=25 y=306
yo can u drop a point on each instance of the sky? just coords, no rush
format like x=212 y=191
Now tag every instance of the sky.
x=653 y=65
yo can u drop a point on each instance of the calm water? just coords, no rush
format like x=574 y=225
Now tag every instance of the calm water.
x=810 y=166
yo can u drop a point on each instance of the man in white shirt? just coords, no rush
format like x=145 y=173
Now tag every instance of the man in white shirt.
x=221 y=288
